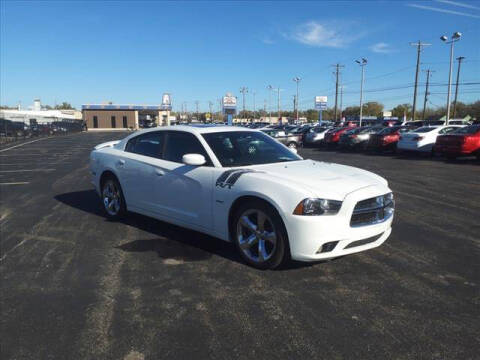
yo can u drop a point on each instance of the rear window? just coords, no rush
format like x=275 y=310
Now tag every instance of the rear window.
x=472 y=129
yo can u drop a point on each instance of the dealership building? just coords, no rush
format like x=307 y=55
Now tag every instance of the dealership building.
x=121 y=117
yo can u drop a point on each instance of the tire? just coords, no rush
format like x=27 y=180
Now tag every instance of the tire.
x=113 y=200
x=248 y=236
x=292 y=145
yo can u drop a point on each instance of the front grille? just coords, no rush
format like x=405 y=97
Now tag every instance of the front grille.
x=373 y=210
x=363 y=241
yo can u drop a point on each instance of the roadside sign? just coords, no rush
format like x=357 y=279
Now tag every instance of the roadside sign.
x=320 y=103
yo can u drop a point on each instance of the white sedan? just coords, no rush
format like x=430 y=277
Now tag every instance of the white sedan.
x=423 y=139
x=241 y=185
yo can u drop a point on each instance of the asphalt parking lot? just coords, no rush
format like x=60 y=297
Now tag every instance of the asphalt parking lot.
x=76 y=286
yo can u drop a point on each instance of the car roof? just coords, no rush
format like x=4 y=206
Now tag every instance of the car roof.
x=193 y=129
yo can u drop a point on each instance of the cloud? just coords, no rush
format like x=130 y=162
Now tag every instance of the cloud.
x=455 y=3
x=267 y=40
x=317 y=34
x=431 y=8
x=382 y=48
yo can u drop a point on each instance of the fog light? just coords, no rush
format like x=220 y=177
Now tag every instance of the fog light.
x=327 y=247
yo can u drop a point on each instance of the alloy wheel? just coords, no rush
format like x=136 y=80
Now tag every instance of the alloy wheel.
x=111 y=198
x=256 y=235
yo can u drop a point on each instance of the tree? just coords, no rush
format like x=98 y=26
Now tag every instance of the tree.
x=64 y=106
x=352 y=111
x=372 y=108
x=401 y=110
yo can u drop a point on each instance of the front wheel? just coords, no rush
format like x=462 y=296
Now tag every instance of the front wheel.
x=113 y=200
x=260 y=235
x=292 y=145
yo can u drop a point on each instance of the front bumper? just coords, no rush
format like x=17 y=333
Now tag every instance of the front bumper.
x=309 y=234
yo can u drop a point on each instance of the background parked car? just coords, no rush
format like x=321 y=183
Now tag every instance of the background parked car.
x=461 y=142
x=316 y=136
x=386 y=139
x=333 y=136
x=358 y=137
x=293 y=141
x=423 y=139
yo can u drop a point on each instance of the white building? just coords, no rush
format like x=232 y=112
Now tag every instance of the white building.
x=39 y=115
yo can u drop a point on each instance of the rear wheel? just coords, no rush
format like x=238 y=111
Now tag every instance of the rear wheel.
x=260 y=235
x=112 y=199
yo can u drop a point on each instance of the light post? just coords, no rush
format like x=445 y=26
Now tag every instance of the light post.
x=455 y=37
x=297 y=80
x=362 y=64
x=270 y=88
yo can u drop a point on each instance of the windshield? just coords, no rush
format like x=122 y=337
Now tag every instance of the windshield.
x=241 y=148
x=425 y=129
x=472 y=129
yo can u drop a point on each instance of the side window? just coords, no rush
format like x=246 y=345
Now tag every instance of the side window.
x=150 y=144
x=448 y=130
x=114 y=123
x=180 y=143
x=95 y=122
x=125 y=124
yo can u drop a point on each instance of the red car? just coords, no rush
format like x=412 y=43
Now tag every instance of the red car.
x=386 y=139
x=465 y=141
x=333 y=136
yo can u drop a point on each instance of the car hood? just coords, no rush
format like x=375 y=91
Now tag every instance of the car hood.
x=324 y=179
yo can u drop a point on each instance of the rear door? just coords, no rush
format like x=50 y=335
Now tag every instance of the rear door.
x=139 y=168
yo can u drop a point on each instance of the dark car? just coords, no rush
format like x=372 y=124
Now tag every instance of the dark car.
x=386 y=139
x=358 y=137
x=293 y=141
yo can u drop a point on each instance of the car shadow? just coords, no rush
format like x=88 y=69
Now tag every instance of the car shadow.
x=171 y=243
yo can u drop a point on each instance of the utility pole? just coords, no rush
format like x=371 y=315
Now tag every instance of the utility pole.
x=337 y=75
x=254 y=105
x=297 y=80
x=243 y=90
x=362 y=64
x=460 y=59
x=196 y=103
x=428 y=71
x=278 y=105
x=419 y=46
x=210 y=104
x=341 y=101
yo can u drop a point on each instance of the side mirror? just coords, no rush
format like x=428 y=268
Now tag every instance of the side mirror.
x=193 y=159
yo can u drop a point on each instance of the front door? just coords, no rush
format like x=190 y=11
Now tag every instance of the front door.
x=185 y=192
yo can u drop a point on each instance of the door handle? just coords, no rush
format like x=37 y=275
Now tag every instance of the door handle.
x=159 y=172
x=121 y=162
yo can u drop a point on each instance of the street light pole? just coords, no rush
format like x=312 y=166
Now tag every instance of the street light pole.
x=297 y=80
x=270 y=88
x=254 y=105
x=362 y=64
x=455 y=37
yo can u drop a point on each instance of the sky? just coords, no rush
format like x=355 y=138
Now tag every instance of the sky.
x=132 y=52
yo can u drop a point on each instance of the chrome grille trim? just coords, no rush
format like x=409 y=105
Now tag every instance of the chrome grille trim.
x=366 y=213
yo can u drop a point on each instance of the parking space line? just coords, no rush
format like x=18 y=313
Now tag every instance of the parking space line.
x=27 y=170
x=16 y=183
x=25 y=143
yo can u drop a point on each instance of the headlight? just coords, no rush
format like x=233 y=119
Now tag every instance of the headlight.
x=317 y=207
